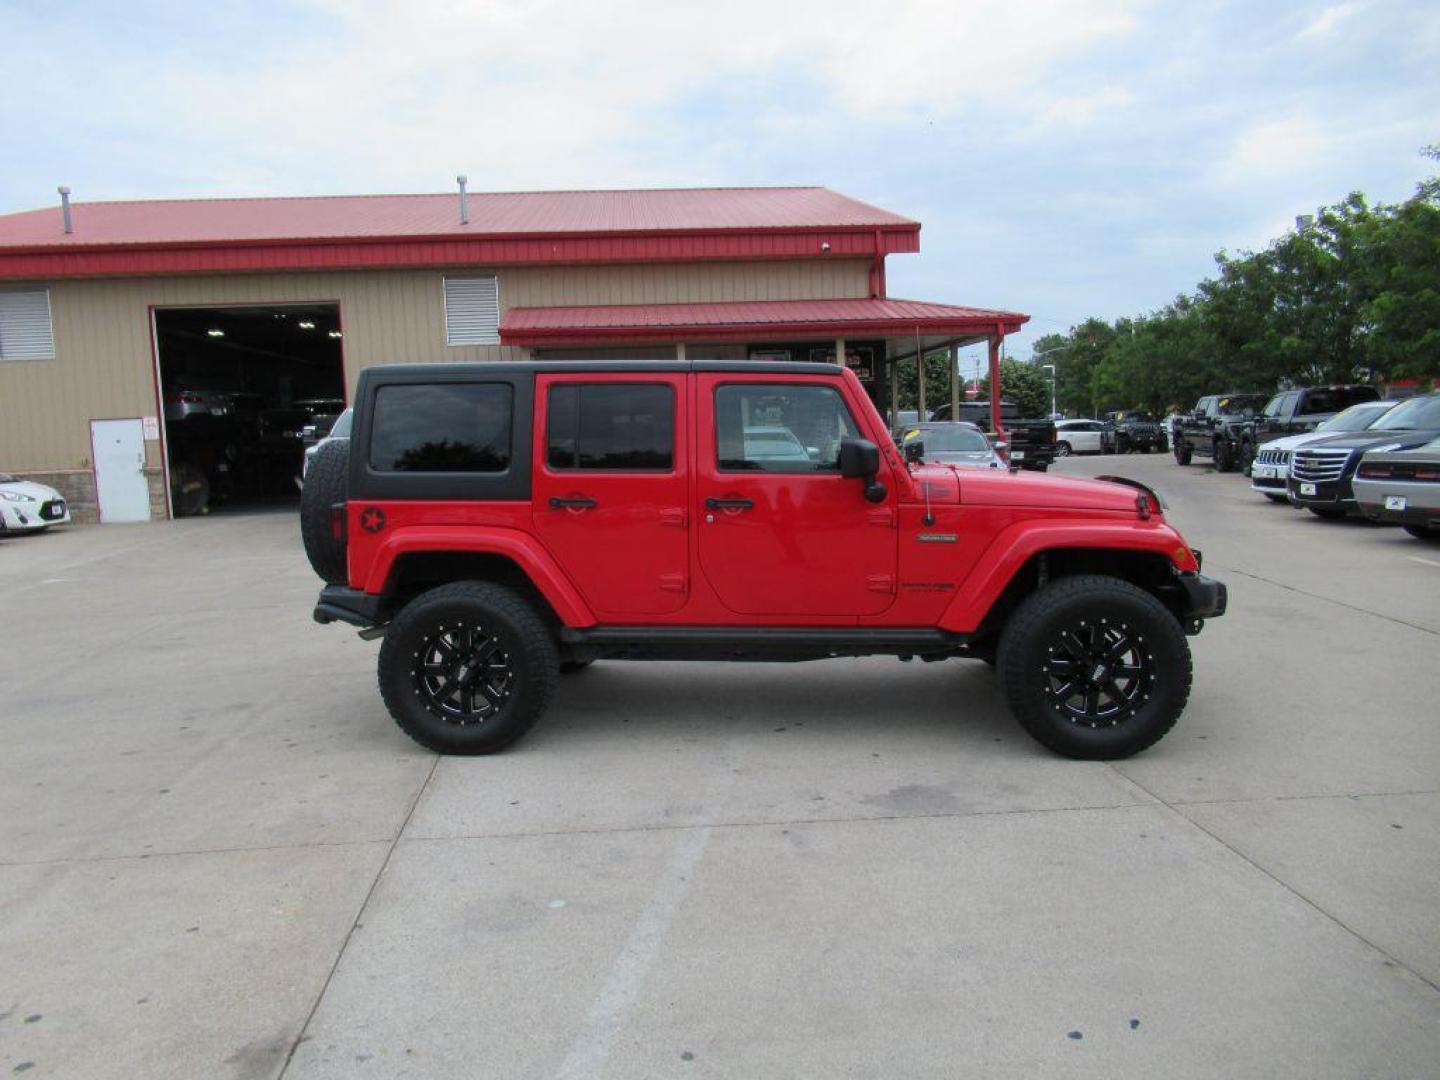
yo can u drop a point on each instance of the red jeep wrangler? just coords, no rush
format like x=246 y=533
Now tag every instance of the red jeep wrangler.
x=500 y=524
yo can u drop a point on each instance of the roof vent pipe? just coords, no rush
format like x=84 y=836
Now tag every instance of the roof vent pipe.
x=65 y=207
x=464 y=202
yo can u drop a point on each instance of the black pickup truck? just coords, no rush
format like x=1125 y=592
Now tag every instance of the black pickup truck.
x=1030 y=444
x=1296 y=412
x=1219 y=427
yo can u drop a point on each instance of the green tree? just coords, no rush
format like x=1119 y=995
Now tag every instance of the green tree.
x=1026 y=384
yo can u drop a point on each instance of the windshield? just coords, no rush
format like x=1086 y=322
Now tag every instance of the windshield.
x=1239 y=404
x=1419 y=412
x=951 y=439
x=1357 y=417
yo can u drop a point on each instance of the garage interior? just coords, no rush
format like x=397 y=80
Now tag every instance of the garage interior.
x=244 y=390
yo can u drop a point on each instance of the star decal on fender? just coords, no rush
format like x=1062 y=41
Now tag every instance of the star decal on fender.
x=372 y=519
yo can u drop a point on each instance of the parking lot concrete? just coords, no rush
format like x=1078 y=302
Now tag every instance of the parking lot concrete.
x=219 y=858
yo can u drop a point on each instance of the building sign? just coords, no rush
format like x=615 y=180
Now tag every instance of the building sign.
x=858 y=358
x=150 y=426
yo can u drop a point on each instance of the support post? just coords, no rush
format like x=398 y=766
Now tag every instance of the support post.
x=920 y=381
x=680 y=351
x=954 y=382
x=840 y=351
x=995 y=385
x=894 y=393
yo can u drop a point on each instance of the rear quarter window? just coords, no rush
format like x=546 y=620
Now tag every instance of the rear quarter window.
x=442 y=427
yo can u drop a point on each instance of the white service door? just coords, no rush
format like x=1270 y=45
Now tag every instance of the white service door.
x=119 y=449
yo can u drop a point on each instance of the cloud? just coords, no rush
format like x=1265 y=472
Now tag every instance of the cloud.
x=1277 y=147
x=1328 y=21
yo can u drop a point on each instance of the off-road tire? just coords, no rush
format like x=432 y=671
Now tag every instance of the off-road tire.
x=1247 y=456
x=1029 y=637
x=500 y=614
x=1423 y=532
x=324 y=487
x=1183 y=453
x=1223 y=456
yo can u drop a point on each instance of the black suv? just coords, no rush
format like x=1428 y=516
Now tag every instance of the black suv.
x=1138 y=431
x=1321 y=472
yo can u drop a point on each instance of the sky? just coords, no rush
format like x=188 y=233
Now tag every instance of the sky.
x=1066 y=158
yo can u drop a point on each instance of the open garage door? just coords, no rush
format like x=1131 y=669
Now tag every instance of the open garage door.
x=243 y=390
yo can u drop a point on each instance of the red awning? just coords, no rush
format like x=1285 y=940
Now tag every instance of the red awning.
x=756 y=320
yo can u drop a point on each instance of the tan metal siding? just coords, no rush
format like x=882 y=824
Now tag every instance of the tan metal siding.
x=104 y=361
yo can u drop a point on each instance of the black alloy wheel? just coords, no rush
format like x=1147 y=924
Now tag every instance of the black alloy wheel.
x=467 y=668
x=1094 y=667
x=1062 y=449
x=1099 y=672
x=462 y=673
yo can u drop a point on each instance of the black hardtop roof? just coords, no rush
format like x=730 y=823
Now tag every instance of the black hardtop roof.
x=473 y=369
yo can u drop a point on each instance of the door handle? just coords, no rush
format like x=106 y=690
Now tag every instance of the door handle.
x=582 y=502
x=712 y=503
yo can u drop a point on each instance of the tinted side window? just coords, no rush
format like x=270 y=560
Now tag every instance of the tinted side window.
x=611 y=426
x=780 y=429
x=441 y=427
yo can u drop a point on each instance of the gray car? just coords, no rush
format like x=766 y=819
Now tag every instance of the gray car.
x=1402 y=486
x=339 y=430
x=954 y=443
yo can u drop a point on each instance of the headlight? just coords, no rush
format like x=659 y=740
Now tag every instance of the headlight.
x=16 y=496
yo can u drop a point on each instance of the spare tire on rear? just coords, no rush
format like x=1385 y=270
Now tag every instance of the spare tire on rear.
x=324 y=487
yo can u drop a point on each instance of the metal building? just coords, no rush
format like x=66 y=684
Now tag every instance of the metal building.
x=213 y=328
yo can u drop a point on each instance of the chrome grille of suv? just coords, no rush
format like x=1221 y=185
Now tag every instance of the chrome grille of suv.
x=1266 y=456
x=1319 y=466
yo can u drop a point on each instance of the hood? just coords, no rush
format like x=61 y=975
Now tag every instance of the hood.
x=965 y=458
x=38 y=492
x=1400 y=439
x=996 y=487
x=1294 y=442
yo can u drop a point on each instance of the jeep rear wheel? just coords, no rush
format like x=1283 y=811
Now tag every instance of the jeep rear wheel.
x=324 y=487
x=1094 y=667
x=467 y=668
x=1223 y=456
x=1182 y=453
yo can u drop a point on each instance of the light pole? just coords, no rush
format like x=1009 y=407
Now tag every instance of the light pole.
x=1054 y=408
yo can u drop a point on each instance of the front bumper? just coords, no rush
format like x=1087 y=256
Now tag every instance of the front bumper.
x=1201 y=597
x=1334 y=493
x=23 y=516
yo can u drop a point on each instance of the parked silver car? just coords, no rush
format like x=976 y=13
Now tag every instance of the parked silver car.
x=1402 y=486
x=954 y=443
x=1271 y=468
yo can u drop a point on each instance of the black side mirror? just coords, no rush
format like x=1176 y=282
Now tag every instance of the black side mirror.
x=859 y=458
x=915 y=451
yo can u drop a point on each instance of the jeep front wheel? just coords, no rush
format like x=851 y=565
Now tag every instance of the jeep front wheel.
x=1182 y=453
x=467 y=668
x=1094 y=667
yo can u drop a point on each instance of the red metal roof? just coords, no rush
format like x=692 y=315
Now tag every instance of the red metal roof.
x=178 y=236
x=749 y=320
x=347 y=217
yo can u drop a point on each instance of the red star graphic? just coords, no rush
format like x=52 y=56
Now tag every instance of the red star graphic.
x=373 y=519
